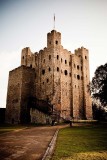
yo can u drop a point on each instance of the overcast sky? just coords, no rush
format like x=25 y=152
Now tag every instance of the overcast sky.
x=25 y=23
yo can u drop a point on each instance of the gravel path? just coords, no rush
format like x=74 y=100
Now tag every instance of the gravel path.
x=27 y=144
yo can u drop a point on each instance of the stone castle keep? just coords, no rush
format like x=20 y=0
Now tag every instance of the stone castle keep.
x=54 y=79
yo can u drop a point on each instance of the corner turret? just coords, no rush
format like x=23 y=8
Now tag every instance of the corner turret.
x=26 y=57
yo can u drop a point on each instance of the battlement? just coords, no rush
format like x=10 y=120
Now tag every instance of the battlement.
x=80 y=50
x=27 y=51
x=53 y=39
x=54 y=32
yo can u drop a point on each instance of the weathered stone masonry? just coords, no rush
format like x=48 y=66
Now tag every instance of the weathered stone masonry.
x=54 y=74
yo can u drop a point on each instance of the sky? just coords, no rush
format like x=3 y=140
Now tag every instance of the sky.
x=25 y=23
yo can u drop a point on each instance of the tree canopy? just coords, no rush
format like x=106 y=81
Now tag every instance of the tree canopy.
x=99 y=85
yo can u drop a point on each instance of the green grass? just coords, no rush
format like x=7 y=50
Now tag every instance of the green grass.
x=82 y=143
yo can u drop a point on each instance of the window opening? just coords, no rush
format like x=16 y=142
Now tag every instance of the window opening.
x=56 y=42
x=78 y=77
x=43 y=71
x=47 y=80
x=49 y=57
x=66 y=72
x=78 y=67
x=57 y=56
x=58 y=69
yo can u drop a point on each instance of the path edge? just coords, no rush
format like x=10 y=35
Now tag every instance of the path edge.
x=49 y=151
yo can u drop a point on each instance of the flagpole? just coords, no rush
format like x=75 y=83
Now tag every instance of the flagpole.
x=54 y=20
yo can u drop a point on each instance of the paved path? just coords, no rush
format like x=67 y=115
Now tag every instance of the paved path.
x=27 y=144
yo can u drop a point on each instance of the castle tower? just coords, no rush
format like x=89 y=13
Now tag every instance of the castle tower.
x=59 y=78
x=85 y=97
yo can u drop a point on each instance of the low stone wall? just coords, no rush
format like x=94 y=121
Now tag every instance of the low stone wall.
x=39 y=117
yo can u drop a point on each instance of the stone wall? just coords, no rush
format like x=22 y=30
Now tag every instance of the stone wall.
x=20 y=87
x=38 y=117
x=62 y=78
x=55 y=75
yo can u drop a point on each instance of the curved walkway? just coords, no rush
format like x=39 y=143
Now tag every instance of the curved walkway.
x=27 y=144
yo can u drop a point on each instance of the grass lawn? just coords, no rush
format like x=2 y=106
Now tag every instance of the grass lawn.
x=82 y=143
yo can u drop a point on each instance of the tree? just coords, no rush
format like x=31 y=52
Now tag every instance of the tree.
x=99 y=85
x=99 y=112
